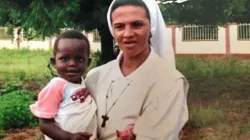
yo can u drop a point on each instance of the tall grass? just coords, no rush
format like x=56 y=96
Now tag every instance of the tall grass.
x=202 y=117
x=32 y=64
x=23 y=63
x=193 y=67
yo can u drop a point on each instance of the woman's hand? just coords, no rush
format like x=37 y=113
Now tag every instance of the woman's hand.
x=80 y=136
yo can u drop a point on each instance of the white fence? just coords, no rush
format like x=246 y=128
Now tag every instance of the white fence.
x=188 y=39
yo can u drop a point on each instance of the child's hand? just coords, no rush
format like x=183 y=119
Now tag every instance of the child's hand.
x=80 y=136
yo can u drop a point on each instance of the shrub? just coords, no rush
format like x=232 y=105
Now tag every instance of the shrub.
x=2 y=134
x=14 y=110
x=10 y=87
x=96 y=60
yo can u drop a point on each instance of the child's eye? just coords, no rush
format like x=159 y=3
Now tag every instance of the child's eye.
x=79 y=59
x=65 y=59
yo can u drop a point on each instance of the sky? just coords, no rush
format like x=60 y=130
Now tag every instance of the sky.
x=178 y=1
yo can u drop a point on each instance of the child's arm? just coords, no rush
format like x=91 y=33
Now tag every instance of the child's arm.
x=49 y=128
x=46 y=108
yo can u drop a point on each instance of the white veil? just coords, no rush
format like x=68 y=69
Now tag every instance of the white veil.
x=159 y=40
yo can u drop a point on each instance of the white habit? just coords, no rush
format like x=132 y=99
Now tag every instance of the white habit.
x=152 y=99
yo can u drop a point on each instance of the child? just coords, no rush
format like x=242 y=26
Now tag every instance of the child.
x=65 y=109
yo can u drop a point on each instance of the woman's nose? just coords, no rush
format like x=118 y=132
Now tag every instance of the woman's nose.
x=128 y=32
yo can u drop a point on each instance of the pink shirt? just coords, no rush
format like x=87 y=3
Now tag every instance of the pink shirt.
x=70 y=104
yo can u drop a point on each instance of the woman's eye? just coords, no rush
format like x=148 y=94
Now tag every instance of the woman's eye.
x=118 y=26
x=137 y=24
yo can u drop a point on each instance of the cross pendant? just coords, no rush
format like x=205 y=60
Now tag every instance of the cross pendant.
x=104 y=119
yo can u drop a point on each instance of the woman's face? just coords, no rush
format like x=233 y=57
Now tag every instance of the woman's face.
x=131 y=29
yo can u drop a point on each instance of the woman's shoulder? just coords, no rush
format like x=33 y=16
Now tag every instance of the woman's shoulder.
x=168 y=81
x=169 y=76
x=102 y=67
x=97 y=71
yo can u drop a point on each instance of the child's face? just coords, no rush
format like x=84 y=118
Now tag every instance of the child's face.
x=71 y=59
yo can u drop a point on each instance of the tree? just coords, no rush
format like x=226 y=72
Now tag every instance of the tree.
x=207 y=12
x=46 y=17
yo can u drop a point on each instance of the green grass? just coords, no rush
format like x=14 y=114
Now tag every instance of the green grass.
x=201 y=117
x=195 y=67
x=26 y=64
x=23 y=63
x=246 y=127
x=216 y=85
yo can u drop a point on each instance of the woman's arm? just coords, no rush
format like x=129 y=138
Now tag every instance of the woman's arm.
x=52 y=130
x=164 y=117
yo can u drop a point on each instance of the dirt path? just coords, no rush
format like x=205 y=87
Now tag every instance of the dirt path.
x=23 y=134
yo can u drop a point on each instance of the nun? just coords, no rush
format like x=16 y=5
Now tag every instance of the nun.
x=140 y=95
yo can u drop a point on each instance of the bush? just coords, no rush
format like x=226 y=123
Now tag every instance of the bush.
x=2 y=134
x=96 y=60
x=10 y=87
x=14 y=110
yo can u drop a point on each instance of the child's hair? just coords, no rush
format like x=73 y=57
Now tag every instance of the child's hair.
x=69 y=34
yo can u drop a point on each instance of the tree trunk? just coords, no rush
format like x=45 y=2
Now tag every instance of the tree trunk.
x=107 y=53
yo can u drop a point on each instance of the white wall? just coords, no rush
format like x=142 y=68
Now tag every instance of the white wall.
x=94 y=45
x=238 y=46
x=200 y=47
x=181 y=47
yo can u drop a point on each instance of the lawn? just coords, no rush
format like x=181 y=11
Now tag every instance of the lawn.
x=219 y=96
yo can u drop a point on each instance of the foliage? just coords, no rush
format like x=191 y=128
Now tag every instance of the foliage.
x=96 y=60
x=14 y=110
x=212 y=12
x=10 y=31
x=9 y=87
x=46 y=18
x=2 y=134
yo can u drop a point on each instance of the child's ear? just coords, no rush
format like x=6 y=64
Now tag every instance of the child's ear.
x=52 y=61
x=89 y=61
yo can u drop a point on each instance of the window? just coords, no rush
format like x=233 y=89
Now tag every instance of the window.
x=244 y=31
x=199 y=33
